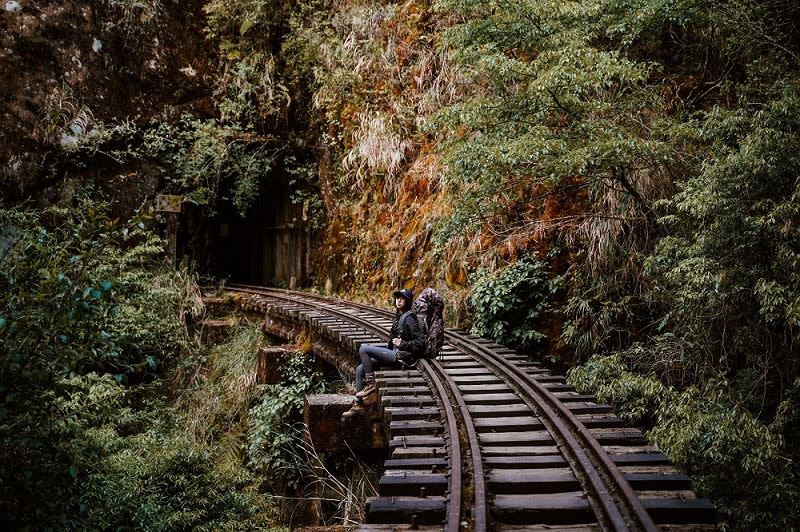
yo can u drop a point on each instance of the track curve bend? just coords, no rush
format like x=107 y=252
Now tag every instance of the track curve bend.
x=484 y=439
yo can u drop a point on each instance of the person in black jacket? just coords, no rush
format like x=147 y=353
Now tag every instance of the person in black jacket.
x=406 y=343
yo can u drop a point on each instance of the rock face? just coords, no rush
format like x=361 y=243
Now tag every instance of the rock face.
x=68 y=64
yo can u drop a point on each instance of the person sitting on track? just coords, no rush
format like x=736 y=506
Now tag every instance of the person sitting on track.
x=405 y=345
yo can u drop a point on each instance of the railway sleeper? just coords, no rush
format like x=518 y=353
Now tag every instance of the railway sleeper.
x=519 y=450
x=485 y=388
x=398 y=373
x=350 y=337
x=411 y=381
x=493 y=411
x=345 y=336
x=405 y=413
x=658 y=481
x=417 y=464
x=508 y=424
x=524 y=462
x=547 y=509
x=680 y=510
x=458 y=364
x=520 y=439
x=532 y=481
x=490 y=398
x=427 y=510
x=407 y=453
x=408 y=400
x=550 y=379
x=601 y=421
x=503 y=424
x=589 y=408
x=402 y=483
x=640 y=459
x=554 y=387
x=618 y=436
x=573 y=397
x=488 y=378
x=413 y=391
x=415 y=427
x=416 y=441
x=479 y=371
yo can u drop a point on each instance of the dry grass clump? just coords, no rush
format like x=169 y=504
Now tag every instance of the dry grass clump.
x=381 y=78
x=223 y=386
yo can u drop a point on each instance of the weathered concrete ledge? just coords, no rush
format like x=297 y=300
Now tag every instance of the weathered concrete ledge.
x=273 y=359
x=323 y=412
x=329 y=433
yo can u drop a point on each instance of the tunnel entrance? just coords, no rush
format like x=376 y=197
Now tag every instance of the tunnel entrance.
x=270 y=246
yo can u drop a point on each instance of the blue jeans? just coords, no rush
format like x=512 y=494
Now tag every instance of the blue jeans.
x=371 y=358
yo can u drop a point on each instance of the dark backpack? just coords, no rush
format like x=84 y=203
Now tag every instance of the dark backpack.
x=428 y=308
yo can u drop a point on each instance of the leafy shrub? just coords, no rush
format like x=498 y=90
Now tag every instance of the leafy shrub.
x=728 y=270
x=86 y=311
x=509 y=305
x=742 y=464
x=636 y=398
x=219 y=387
x=82 y=291
x=206 y=160
x=273 y=442
x=734 y=458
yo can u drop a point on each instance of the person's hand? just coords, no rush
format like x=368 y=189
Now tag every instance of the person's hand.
x=396 y=341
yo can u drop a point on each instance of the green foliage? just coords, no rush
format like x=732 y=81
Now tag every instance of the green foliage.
x=548 y=105
x=206 y=160
x=116 y=467
x=274 y=440
x=509 y=305
x=601 y=103
x=635 y=398
x=88 y=309
x=237 y=19
x=220 y=387
x=250 y=90
x=79 y=294
x=739 y=462
x=301 y=178
x=730 y=265
x=251 y=94
x=732 y=456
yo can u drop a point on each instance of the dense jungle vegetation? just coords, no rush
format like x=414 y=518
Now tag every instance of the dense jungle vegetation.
x=610 y=186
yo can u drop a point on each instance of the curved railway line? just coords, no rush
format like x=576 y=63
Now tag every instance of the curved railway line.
x=483 y=439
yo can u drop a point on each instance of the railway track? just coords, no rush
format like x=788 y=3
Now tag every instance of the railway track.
x=486 y=440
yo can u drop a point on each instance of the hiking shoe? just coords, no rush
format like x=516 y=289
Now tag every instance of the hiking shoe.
x=357 y=408
x=368 y=390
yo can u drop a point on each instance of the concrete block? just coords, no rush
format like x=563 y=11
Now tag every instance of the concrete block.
x=217 y=330
x=270 y=363
x=327 y=432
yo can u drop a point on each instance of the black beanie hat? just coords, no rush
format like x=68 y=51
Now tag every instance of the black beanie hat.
x=405 y=293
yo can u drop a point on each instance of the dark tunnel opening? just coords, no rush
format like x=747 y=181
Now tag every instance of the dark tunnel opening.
x=269 y=246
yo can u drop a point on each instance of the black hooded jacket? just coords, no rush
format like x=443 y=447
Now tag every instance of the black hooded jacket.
x=413 y=341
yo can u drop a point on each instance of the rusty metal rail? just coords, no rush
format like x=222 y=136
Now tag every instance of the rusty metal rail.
x=552 y=456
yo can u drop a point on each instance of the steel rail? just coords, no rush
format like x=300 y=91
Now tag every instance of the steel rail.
x=547 y=403
x=622 y=509
x=556 y=413
x=614 y=517
x=455 y=502
x=434 y=372
x=479 y=512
